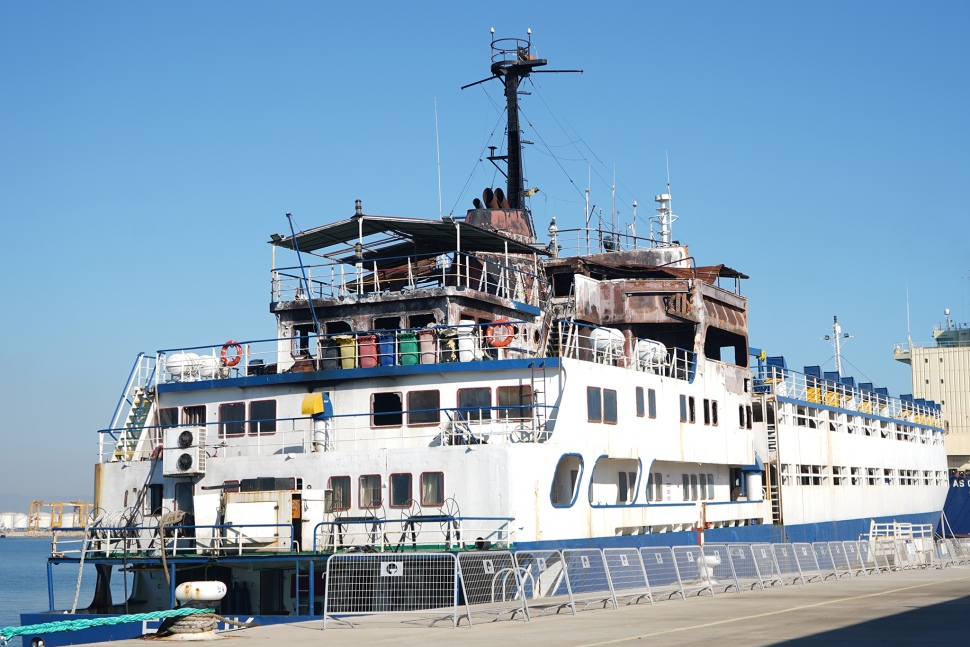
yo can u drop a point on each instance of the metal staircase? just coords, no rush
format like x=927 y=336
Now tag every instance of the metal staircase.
x=141 y=407
x=135 y=407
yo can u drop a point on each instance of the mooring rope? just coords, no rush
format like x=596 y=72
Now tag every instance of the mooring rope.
x=86 y=623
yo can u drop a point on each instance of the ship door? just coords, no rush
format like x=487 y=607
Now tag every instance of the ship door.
x=296 y=516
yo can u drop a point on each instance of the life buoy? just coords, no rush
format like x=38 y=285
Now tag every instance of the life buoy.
x=231 y=361
x=499 y=334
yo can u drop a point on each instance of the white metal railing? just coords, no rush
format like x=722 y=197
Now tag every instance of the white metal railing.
x=438 y=344
x=609 y=346
x=412 y=532
x=815 y=390
x=586 y=240
x=509 y=277
x=515 y=423
x=149 y=541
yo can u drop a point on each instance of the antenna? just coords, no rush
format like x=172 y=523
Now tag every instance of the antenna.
x=909 y=334
x=613 y=201
x=836 y=339
x=437 y=149
x=667 y=158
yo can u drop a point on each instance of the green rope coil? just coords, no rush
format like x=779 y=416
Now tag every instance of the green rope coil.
x=86 y=623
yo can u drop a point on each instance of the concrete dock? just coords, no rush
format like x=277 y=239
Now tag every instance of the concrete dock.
x=906 y=607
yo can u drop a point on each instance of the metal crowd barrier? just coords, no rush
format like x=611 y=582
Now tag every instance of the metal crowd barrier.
x=502 y=584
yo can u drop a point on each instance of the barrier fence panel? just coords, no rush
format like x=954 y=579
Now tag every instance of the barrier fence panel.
x=719 y=558
x=695 y=575
x=767 y=565
x=787 y=563
x=627 y=574
x=491 y=584
x=589 y=578
x=854 y=558
x=661 y=569
x=840 y=560
x=826 y=565
x=368 y=584
x=545 y=581
x=906 y=555
x=956 y=552
x=884 y=554
x=807 y=562
x=868 y=557
x=943 y=557
x=746 y=571
x=964 y=547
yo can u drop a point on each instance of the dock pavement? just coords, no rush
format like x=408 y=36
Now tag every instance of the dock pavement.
x=902 y=608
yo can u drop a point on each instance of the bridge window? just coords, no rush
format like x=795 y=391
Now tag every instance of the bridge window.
x=714 y=412
x=262 y=417
x=423 y=408
x=341 y=491
x=475 y=404
x=231 y=417
x=609 y=406
x=683 y=408
x=691 y=410
x=640 y=403
x=400 y=490
x=516 y=402
x=651 y=403
x=386 y=409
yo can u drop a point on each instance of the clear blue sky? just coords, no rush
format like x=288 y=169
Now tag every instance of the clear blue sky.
x=148 y=150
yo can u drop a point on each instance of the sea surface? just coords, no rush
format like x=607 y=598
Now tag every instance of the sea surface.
x=23 y=579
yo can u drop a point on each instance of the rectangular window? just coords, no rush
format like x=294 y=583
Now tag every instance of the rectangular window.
x=168 y=417
x=423 y=408
x=703 y=483
x=515 y=402
x=707 y=411
x=609 y=406
x=432 y=489
x=651 y=403
x=341 y=492
x=624 y=494
x=747 y=418
x=475 y=404
x=714 y=412
x=640 y=403
x=658 y=483
x=370 y=491
x=686 y=488
x=400 y=490
x=594 y=404
x=386 y=409
x=693 y=487
x=741 y=416
x=683 y=408
x=193 y=416
x=691 y=410
x=650 y=486
x=262 y=417
x=231 y=417
x=710 y=487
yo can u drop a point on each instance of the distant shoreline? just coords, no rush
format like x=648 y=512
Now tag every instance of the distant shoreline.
x=41 y=534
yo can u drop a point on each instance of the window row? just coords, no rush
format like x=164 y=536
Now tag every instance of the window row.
x=698 y=487
x=424 y=407
x=370 y=491
x=601 y=404
x=688 y=411
x=841 y=475
x=233 y=420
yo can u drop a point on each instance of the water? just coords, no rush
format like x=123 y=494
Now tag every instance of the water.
x=23 y=580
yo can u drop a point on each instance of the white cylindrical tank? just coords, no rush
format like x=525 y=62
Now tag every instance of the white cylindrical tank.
x=20 y=522
x=752 y=485
x=200 y=591
x=607 y=342
x=209 y=366
x=182 y=365
x=651 y=353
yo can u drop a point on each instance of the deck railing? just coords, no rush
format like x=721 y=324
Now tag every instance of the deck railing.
x=411 y=532
x=507 y=277
x=815 y=390
x=151 y=540
x=585 y=241
x=609 y=346
x=438 y=344
x=523 y=422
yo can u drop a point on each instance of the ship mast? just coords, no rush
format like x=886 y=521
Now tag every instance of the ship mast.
x=836 y=339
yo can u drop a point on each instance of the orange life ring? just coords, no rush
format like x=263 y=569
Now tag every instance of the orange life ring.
x=231 y=361
x=499 y=334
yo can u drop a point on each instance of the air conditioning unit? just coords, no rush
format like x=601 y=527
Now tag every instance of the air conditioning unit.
x=184 y=451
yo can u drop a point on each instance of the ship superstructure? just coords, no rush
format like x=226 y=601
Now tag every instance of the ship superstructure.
x=457 y=383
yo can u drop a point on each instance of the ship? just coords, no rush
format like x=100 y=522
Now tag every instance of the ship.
x=458 y=383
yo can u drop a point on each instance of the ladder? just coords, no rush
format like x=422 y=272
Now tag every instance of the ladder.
x=774 y=494
x=538 y=386
x=141 y=407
